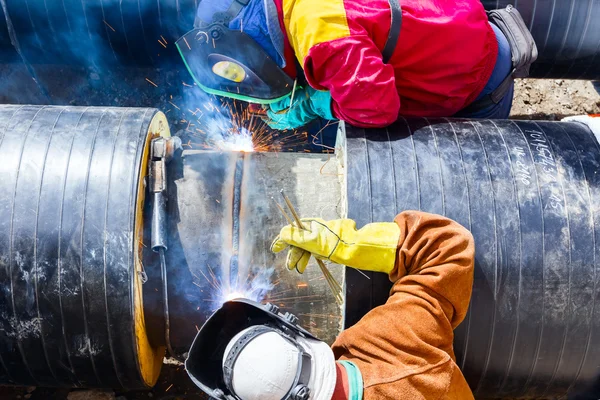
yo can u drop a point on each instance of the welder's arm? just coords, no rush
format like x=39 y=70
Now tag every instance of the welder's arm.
x=406 y=345
x=434 y=263
x=362 y=87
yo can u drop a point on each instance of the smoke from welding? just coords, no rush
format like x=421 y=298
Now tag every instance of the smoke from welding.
x=109 y=53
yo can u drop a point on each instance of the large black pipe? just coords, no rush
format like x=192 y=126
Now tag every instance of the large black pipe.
x=71 y=308
x=567 y=34
x=529 y=193
x=100 y=52
x=72 y=234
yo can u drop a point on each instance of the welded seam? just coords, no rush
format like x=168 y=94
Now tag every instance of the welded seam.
x=10 y=247
x=136 y=176
x=81 y=247
x=495 y=308
x=410 y=134
x=59 y=247
x=105 y=241
x=593 y=217
x=562 y=348
x=437 y=150
x=516 y=197
x=235 y=226
x=35 y=245
x=3 y=131
x=468 y=318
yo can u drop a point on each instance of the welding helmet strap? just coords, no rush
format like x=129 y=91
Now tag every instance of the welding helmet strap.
x=299 y=389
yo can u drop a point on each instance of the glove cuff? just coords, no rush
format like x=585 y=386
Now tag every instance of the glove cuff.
x=372 y=248
x=321 y=104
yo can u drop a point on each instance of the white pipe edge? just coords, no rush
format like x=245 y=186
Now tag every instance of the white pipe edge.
x=592 y=122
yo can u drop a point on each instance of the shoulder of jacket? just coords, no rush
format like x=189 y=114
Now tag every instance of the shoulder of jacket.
x=312 y=22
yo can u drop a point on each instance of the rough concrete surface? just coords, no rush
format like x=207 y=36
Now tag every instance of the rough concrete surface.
x=534 y=99
x=553 y=99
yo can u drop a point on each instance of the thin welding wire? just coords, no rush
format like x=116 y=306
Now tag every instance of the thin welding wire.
x=333 y=284
x=356 y=269
x=293 y=93
x=335 y=287
x=282 y=211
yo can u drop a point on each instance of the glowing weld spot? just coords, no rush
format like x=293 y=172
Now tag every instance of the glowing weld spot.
x=234 y=295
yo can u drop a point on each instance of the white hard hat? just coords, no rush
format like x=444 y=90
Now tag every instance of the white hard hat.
x=266 y=365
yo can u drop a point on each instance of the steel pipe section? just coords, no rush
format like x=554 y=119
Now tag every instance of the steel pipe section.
x=567 y=33
x=223 y=217
x=74 y=236
x=71 y=238
x=529 y=192
x=75 y=228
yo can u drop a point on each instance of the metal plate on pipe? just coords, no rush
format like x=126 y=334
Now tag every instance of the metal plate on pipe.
x=222 y=222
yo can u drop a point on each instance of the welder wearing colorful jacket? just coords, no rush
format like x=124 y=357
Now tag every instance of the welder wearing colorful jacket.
x=400 y=350
x=447 y=55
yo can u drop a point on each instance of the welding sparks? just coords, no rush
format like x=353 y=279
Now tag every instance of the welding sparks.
x=107 y=24
x=237 y=141
x=155 y=85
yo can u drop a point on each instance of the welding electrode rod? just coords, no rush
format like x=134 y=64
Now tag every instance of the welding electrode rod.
x=283 y=212
x=335 y=287
x=293 y=92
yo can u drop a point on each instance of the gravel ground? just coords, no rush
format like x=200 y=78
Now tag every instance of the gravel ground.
x=554 y=99
x=534 y=99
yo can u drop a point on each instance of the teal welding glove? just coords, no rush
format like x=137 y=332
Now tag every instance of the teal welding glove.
x=309 y=104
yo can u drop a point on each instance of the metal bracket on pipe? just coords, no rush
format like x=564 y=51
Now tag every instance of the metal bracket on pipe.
x=161 y=153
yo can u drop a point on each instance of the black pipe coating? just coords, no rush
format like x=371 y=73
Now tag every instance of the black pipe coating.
x=567 y=34
x=529 y=193
x=68 y=197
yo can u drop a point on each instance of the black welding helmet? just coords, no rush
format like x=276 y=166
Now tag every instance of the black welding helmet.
x=227 y=360
x=230 y=62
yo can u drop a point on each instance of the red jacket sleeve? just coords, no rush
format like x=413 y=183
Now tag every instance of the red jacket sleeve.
x=362 y=87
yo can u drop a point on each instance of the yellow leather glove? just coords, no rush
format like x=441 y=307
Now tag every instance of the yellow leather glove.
x=372 y=248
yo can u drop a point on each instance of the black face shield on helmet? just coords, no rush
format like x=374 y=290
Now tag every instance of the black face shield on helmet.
x=230 y=63
x=204 y=363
